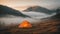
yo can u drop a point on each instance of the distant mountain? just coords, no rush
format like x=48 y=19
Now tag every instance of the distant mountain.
x=39 y=9
x=57 y=16
x=4 y=10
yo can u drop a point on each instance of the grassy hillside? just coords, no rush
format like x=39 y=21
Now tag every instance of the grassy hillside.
x=50 y=26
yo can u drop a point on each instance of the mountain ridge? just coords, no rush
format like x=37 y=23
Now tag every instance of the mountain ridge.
x=5 y=10
x=39 y=9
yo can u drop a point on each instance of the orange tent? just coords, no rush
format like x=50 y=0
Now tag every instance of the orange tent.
x=25 y=24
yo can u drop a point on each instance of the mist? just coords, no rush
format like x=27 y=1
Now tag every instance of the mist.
x=35 y=17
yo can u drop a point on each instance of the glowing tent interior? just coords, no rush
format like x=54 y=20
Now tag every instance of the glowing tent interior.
x=25 y=24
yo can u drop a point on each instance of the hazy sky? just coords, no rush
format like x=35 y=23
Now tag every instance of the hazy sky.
x=44 y=3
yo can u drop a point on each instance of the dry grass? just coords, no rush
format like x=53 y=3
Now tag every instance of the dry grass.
x=44 y=27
